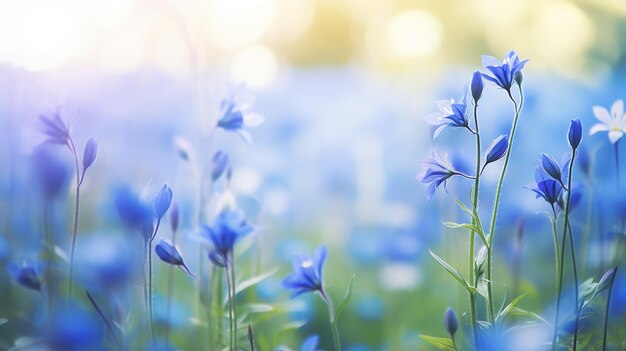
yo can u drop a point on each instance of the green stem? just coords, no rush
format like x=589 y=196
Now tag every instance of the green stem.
x=575 y=271
x=333 y=321
x=494 y=215
x=49 y=255
x=472 y=295
x=606 y=314
x=562 y=257
x=230 y=309
x=233 y=298
x=150 y=312
x=170 y=292
x=556 y=247
x=72 y=148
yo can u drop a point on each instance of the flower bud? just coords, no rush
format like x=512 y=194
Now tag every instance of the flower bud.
x=450 y=322
x=477 y=85
x=162 y=201
x=575 y=133
x=497 y=149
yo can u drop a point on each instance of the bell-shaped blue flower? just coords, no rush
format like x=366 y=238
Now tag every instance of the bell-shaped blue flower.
x=162 y=201
x=75 y=330
x=27 y=274
x=477 y=86
x=310 y=344
x=497 y=149
x=307 y=273
x=575 y=133
x=450 y=322
x=437 y=171
x=54 y=128
x=135 y=213
x=168 y=253
x=218 y=165
x=503 y=73
x=228 y=228
x=450 y=114
x=50 y=171
x=551 y=167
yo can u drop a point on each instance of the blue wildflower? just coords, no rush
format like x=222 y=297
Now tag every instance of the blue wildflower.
x=310 y=344
x=74 y=330
x=135 y=213
x=451 y=114
x=107 y=261
x=575 y=200
x=218 y=165
x=551 y=167
x=575 y=133
x=54 y=128
x=89 y=154
x=549 y=189
x=505 y=72
x=168 y=253
x=497 y=149
x=437 y=171
x=236 y=115
x=27 y=274
x=51 y=172
x=162 y=201
x=227 y=229
x=307 y=273
x=450 y=322
x=477 y=86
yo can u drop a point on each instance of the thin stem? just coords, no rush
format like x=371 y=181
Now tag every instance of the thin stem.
x=494 y=215
x=606 y=313
x=230 y=309
x=333 y=321
x=72 y=148
x=150 y=311
x=562 y=257
x=575 y=271
x=556 y=247
x=170 y=292
x=472 y=234
x=48 y=254
x=233 y=297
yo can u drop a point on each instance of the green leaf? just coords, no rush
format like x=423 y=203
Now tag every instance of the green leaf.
x=521 y=312
x=444 y=344
x=257 y=308
x=453 y=271
x=254 y=280
x=342 y=305
x=511 y=306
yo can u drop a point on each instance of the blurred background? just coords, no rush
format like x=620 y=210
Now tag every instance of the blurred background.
x=343 y=86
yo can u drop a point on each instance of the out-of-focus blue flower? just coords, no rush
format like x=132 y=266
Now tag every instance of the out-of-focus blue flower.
x=218 y=165
x=551 y=167
x=307 y=273
x=105 y=261
x=50 y=171
x=227 y=229
x=450 y=114
x=575 y=133
x=369 y=307
x=27 y=273
x=450 y=321
x=162 y=201
x=310 y=344
x=477 y=86
x=614 y=123
x=497 y=149
x=584 y=160
x=54 y=128
x=503 y=73
x=4 y=249
x=135 y=213
x=174 y=217
x=236 y=114
x=437 y=170
x=168 y=253
x=75 y=330
x=89 y=154
x=575 y=200
x=160 y=345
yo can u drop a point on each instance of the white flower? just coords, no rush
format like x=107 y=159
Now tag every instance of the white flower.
x=614 y=123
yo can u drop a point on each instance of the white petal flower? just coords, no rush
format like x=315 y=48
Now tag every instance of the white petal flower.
x=613 y=122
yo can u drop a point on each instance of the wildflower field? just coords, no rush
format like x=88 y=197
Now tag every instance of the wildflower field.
x=312 y=175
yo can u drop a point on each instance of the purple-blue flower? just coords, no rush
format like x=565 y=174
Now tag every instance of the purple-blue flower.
x=450 y=321
x=54 y=128
x=450 y=114
x=27 y=274
x=310 y=344
x=236 y=114
x=75 y=330
x=89 y=154
x=228 y=228
x=168 y=253
x=551 y=167
x=135 y=213
x=477 y=86
x=218 y=165
x=575 y=133
x=307 y=273
x=503 y=73
x=162 y=201
x=497 y=149
x=437 y=170
x=51 y=172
